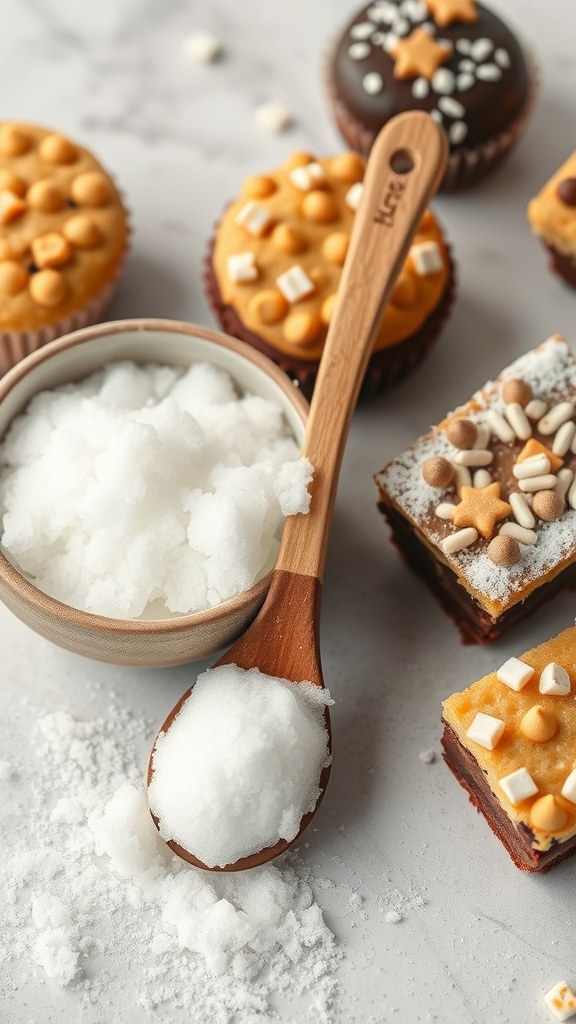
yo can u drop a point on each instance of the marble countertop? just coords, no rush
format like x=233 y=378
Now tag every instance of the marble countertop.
x=480 y=941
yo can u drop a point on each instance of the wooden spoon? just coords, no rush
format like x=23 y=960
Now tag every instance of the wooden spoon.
x=406 y=165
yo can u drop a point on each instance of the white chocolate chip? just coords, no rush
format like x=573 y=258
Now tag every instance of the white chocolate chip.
x=561 y=1001
x=535 y=409
x=464 y=81
x=565 y=477
x=359 y=51
x=535 y=465
x=518 y=421
x=518 y=786
x=502 y=58
x=563 y=438
x=383 y=11
x=488 y=73
x=372 y=83
x=483 y=436
x=445 y=510
x=538 y=483
x=362 y=31
x=481 y=49
x=462 y=477
x=515 y=673
x=273 y=117
x=202 y=47
x=451 y=107
x=482 y=478
x=466 y=65
x=486 y=730
x=571 y=497
x=568 y=790
x=443 y=81
x=521 y=510
x=401 y=26
x=519 y=533
x=307 y=177
x=463 y=46
x=242 y=267
x=354 y=195
x=474 y=457
x=295 y=284
x=457 y=132
x=555 y=417
x=554 y=680
x=254 y=218
x=500 y=428
x=420 y=88
x=459 y=540
x=390 y=41
x=427 y=258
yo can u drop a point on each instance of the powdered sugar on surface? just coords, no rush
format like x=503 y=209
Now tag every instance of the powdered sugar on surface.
x=551 y=370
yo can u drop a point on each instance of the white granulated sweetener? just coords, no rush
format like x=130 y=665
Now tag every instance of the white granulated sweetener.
x=240 y=765
x=148 y=491
x=93 y=900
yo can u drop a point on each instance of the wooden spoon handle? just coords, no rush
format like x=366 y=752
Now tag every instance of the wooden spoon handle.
x=404 y=170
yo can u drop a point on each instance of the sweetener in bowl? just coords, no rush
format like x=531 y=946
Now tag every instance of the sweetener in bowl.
x=148 y=491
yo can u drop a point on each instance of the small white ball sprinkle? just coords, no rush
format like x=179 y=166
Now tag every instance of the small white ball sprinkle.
x=202 y=47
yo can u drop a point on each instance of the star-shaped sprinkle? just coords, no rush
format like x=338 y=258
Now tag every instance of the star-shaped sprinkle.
x=534 y=447
x=482 y=508
x=419 y=55
x=445 y=12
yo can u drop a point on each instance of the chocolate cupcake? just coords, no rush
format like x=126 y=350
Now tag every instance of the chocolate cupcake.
x=63 y=238
x=552 y=217
x=453 y=58
x=274 y=267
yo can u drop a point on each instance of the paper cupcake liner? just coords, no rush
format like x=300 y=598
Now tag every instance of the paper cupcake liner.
x=387 y=366
x=465 y=166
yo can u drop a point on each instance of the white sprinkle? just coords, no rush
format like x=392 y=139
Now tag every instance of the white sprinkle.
x=483 y=435
x=518 y=786
x=486 y=730
x=390 y=42
x=273 y=117
x=443 y=81
x=413 y=9
x=572 y=495
x=254 y=218
x=535 y=465
x=515 y=673
x=401 y=26
x=568 y=790
x=500 y=428
x=463 y=46
x=466 y=65
x=464 y=81
x=308 y=176
x=295 y=284
x=488 y=73
x=457 y=132
x=482 y=478
x=242 y=267
x=519 y=533
x=459 y=540
x=555 y=417
x=474 y=457
x=462 y=477
x=436 y=116
x=561 y=1001
x=445 y=510
x=202 y=47
x=354 y=195
x=362 y=31
x=521 y=510
x=378 y=39
x=554 y=680
x=427 y=756
x=538 y=483
x=518 y=421
x=420 y=88
x=563 y=438
x=565 y=477
x=502 y=58
x=448 y=105
x=383 y=12
x=427 y=258
x=481 y=49
x=358 y=51
x=536 y=409
x=372 y=83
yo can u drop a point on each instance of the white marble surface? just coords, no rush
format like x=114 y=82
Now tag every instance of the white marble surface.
x=487 y=940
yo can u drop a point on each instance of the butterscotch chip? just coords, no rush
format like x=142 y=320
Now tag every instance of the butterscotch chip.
x=258 y=186
x=327 y=309
x=288 y=239
x=268 y=306
x=51 y=250
x=347 y=167
x=538 y=724
x=11 y=206
x=13 y=141
x=404 y=291
x=48 y=287
x=547 y=815
x=12 y=182
x=547 y=505
x=91 y=189
x=335 y=247
x=438 y=472
x=462 y=433
x=516 y=391
x=56 y=149
x=82 y=231
x=302 y=328
x=504 y=551
x=320 y=207
x=298 y=159
x=46 y=196
x=13 y=278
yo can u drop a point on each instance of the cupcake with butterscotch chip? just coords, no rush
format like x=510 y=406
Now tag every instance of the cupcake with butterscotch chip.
x=63 y=239
x=274 y=266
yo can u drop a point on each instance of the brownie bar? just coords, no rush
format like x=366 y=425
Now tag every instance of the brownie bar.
x=516 y=840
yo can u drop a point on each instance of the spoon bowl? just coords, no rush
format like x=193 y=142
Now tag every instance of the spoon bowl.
x=404 y=169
